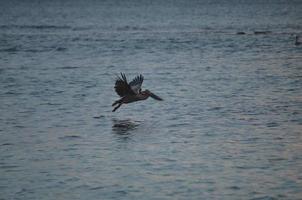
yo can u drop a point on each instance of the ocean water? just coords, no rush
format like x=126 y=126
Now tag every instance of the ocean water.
x=229 y=127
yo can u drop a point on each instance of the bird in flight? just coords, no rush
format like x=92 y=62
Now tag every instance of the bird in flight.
x=131 y=92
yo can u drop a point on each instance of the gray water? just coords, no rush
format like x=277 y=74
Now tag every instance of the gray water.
x=229 y=126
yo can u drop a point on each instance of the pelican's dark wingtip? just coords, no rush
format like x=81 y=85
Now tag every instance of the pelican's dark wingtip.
x=124 y=77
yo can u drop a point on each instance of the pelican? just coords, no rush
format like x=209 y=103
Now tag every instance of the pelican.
x=131 y=92
x=297 y=42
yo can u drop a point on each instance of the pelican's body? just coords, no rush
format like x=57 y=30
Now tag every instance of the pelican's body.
x=133 y=98
x=131 y=92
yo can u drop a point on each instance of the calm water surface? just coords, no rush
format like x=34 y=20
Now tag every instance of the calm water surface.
x=229 y=126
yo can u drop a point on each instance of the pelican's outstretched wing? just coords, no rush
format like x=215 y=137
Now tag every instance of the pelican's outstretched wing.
x=122 y=87
x=136 y=84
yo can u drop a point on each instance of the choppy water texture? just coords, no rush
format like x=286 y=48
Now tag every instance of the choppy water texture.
x=230 y=125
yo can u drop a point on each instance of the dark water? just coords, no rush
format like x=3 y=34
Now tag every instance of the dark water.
x=230 y=125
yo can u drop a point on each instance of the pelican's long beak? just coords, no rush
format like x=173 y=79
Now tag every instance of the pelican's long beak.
x=155 y=97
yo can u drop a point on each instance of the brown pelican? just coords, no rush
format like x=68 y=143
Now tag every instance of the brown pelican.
x=131 y=92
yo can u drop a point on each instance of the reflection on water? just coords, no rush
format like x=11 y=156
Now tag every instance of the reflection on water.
x=124 y=126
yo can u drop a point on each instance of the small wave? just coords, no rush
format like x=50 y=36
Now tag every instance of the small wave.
x=272 y=124
x=262 y=32
x=34 y=50
x=18 y=49
x=8 y=166
x=67 y=67
x=31 y=50
x=276 y=159
x=49 y=103
x=234 y=187
x=12 y=92
x=10 y=49
x=22 y=191
x=70 y=137
x=82 y=28
x=33 y=27
x=131 y=28
x=264 y=198
x=97 y=188
x=215 y=108
x=61 y=49
x=240 y=33
x=98 y=117
x=70 y=149
x=7 y=144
